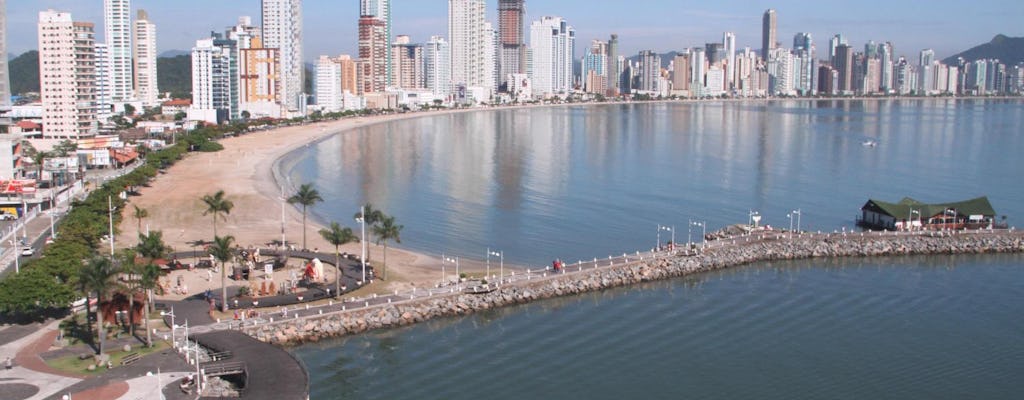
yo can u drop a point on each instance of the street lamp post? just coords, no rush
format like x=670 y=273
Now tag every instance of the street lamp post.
x=751 y=220
x=162 y=314
x=671 y=230
x=501 y=257
x=488 y=269
x=17 y=255
x=909 y=216
x=361 y=219
x=703 y=232
x=689 y=231
x=798 y=215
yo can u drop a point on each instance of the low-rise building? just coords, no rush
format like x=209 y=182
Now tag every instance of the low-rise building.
x=910 y=214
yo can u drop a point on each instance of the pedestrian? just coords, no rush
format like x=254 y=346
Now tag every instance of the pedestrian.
x=8 y=364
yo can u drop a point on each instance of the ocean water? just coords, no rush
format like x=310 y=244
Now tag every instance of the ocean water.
x=588 y=181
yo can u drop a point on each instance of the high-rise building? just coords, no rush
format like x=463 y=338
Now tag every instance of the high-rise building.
x=512 y=57
x=552 y=43
x=381 y=9
x=594 y=73
x=330 y=82
x=886 y=60
x=212 y=97
x=614 y=72
x=768 y=30
x=715 y=52
x=437 y=66
x=259 y=80
x=649 y=70
x=469 y=38
x=104 y=103
x=67 y=73
x=491 y=55
x=729 y=40
x=780 y=72
x=145 y=60
x=833 y=43
x=681 y=73
x=118 y=37
x=282 y=30
x=843 y=64
x=698 y=69
x=408 y=64
x=373 y=49
x=5 y=80
x=926 y=57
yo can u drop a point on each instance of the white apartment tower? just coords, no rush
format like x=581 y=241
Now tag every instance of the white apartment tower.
x=118 y=37
x=211 y=82
x=469 y=35
x=552 y=44
x=282 y=29
x=67 y=76
x=437 y=66
x=145 y=61
x=729 y=40
x=329 y=95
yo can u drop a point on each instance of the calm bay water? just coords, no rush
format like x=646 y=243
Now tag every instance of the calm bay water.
x=584 y=182
x=902 y=328
x=589 y=181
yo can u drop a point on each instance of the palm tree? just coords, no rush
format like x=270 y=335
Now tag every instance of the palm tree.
x=216 y=204
x=220 y=249
x=372 y=215
x=338 y=236
x=100 y=276
x=140 y=214
x=306 y=196
x=386 y=231
x=148 y=281
x=152 y=246
x=127 y=259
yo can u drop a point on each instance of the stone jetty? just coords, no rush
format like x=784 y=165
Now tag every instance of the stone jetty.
x=721 y=254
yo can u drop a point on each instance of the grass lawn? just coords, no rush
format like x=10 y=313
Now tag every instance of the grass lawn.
x=76 y=366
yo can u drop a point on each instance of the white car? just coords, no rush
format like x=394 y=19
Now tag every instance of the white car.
x=27 y=252
x=7 y=217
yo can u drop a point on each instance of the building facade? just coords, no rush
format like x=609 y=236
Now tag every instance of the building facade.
x=67 y=71
x=373 y=55
x=118 y=37
x=469 y=41
x=282 y=30
x=146 y=89
x=212 y=97
x=512 y=49
x=552 y=44
x=437 y=66
x=769 y=40
x=381 y=9
x=408 y=64
x=5 y=80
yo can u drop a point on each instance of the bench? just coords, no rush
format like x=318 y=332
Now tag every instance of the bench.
x=128 y=359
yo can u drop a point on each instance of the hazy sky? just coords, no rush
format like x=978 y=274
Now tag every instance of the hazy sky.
x=330 y=25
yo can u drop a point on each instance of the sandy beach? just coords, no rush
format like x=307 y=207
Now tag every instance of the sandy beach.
x=244 y=171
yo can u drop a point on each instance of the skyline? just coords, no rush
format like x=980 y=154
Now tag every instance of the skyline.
x=331 y=28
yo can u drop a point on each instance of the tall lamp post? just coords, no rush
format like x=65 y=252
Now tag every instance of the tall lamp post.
x=456 y=262
x=17 y=255
x=703 y=232
x=361 y=219
x=909 y=216
x=751 y=220
x=670 y=229
x=501 y=257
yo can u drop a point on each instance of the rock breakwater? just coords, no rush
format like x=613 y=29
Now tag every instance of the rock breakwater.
x=723 y=254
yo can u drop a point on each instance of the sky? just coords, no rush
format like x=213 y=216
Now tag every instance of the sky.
x=947 y=26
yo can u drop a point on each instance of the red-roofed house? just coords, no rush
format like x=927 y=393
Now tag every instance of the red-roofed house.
x=173 y=107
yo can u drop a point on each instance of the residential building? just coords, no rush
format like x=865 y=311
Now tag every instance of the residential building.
x=104 y=101
x=437 y=66
x=373 y=49
x=146 y=89
x=381 y=9
x=259 y=81
x=512 y=49
x=926 y=57
x=780 y=72
x=212 y=80
x=67 y=74
x=282 y=30
x=843 y=63
x=715 y=53
x=118 y=37
x=470 y=38
x=698 y=69
x=681 y=74
x=729 y=41
x=768 y=32
x=5 y=80
x=649 y=70
x=613 y=70
x=327 y=85
x=407 y=71
x=595 y=63
x=552 y=44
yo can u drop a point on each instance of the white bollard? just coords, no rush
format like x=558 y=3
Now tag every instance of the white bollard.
x=367 y=304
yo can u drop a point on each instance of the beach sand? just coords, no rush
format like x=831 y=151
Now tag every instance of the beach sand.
x=244 y=171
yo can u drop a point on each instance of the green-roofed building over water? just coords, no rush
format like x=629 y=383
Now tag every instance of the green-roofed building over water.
x=910 y=214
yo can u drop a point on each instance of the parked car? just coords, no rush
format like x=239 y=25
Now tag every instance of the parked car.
x=7 y=217
x=27 y=252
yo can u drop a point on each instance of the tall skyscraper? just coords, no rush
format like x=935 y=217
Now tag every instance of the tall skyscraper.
x=437 y=66
x=595 y=62
x=118 y=37
x=834 y=43
x=649 y=70
x=67 y=74
x=552 y=44
x=213 y=99
x=145 y=60
x=768 y=27
x=613 y=70
x=329 y=94
x=408 y=64
x=512 y=56
x=373 y=46
x=843 y=64
x=104 y=103
x=681 y=73
x=282 y=29
x=926 y=57
x=469 y=37
x=381 y=9
x=5 y=80
x=729 y=40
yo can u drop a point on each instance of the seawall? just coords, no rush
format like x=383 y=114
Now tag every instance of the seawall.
x=314 y=328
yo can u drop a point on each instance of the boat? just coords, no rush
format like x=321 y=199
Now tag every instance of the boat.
x=869 y=143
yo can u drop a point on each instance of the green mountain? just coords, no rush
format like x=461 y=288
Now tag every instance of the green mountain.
x=1008 y=50
x=24 y=73
x=174 y=74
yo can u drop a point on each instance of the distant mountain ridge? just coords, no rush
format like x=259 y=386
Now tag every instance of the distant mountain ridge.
x=1008 y=50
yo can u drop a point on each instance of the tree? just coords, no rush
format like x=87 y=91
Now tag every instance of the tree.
x=220 y=249
x=127 y=259
x=151 y=246
x=337 y=236
x=140 y=214
x=64 y=148
x=372 y=215
x=129 y=110
x=386 y=231
x=37 y=157
x=100 y=276
x=148 y=281
x=306 y=196
x=217 y=204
